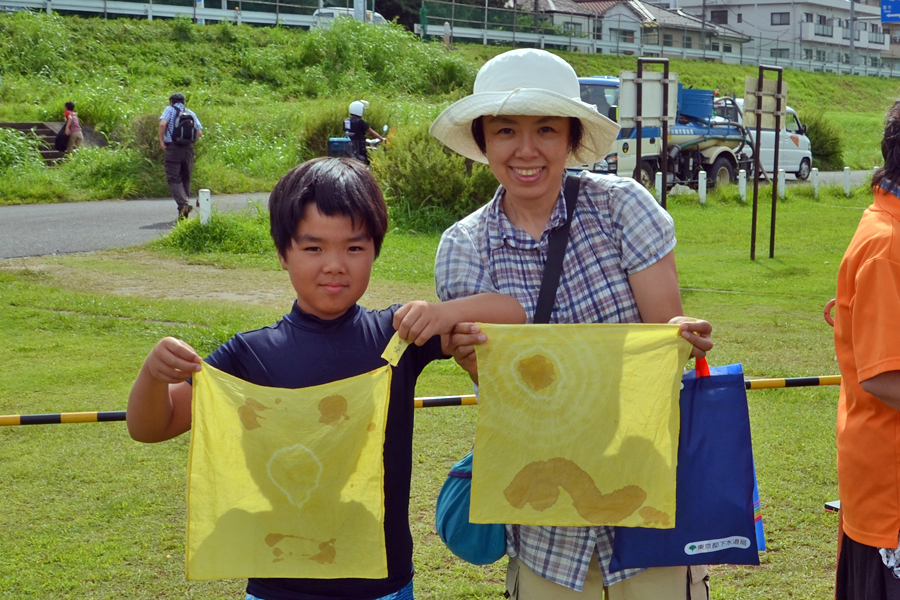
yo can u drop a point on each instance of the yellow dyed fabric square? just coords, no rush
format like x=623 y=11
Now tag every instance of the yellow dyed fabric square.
x=578 y=425
x=287 y=483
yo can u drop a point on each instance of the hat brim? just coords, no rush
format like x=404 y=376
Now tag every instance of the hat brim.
x=453 y=126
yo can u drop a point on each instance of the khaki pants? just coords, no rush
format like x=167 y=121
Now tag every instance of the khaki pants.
x=661 y=583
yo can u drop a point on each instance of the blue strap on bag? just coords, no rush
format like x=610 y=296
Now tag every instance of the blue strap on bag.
x=475 y=543
x=483 y=544
x=714 y=516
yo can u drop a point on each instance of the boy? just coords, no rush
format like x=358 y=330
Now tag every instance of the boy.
x=328 y=220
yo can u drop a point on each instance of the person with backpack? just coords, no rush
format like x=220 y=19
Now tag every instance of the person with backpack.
x=179 y=128
x=357 y=129
x=72 y=128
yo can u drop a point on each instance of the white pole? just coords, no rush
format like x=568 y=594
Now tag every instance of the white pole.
x=781 y=184
x=814 y=177
x=205 y=206
x=701 y=186
x=847 y=173
x=742 y=184
x=657 y=186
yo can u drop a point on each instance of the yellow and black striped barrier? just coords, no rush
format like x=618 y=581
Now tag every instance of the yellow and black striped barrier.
x=57 y=418
x=425 y=402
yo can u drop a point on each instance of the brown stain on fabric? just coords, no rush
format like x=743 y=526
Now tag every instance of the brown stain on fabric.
x=652 y=516
x=537 y=371
x=249 y=413
x=538 y=484
x=332 y=409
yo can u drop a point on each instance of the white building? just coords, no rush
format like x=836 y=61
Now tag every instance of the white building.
x=816 y=32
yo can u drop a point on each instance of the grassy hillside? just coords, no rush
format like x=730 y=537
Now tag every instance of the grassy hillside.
x=270 y=97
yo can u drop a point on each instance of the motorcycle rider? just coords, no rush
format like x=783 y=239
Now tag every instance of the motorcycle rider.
x=357 y=129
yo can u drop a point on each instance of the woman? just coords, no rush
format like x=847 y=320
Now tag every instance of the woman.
x=866 y=329
x=526 y=120
x=73 y=128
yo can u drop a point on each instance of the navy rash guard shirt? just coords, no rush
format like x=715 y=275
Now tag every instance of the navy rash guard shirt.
x=300 y=351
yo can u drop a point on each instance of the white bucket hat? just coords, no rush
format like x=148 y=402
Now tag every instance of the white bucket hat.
x=532 y=83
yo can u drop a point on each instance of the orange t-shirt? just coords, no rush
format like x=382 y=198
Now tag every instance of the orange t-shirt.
x=867 y=343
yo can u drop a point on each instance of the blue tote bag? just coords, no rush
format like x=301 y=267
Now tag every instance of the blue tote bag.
x=714 y=514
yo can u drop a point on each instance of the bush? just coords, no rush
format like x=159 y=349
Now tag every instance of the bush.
x=17 y=150
x=827 y=146
x=245 y=232
x=427 y=186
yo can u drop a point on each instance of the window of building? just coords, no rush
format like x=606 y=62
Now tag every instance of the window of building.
x=781 y=18
x=780 y=53
x=820 y=55
x=623 y=36
x=667 y=40
x=726 y=47
x=821 y=20
x=807 y=17
x=714 y=46
x=687 y=41
x=875 y=61
x=807 y=53
x=572 y=29
x=719 y=17
x=740 y=18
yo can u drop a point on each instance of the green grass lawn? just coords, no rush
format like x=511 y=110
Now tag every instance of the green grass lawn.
x=89 y=513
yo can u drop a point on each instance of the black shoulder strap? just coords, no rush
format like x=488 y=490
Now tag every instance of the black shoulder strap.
x=556 y=251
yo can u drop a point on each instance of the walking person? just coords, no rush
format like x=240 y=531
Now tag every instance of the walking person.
x=866 y=329
x=179 y=128
x=73 y=128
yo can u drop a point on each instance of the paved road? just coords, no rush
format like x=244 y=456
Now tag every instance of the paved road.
x=40 y=229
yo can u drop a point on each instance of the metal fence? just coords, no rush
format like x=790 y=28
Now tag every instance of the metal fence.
x=500 y=26
x=488 y=25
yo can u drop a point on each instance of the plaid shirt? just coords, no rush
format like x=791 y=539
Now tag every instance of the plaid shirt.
x=170 y=113
x=618 y=229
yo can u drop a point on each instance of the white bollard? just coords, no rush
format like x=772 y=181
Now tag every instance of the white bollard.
x=847 y=181
x=657 y=186
x=781 y=184
x=814 y=178
x=742 y=184
x=205 y=206
x=701 y=186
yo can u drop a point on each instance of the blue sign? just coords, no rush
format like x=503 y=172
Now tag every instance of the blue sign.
x=890 y=11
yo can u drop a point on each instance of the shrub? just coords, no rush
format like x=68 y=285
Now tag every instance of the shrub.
x=114 y=172
x=244 y=232
x=145 y=137
x=827 y=146
x=427 y=186
x=17 y=150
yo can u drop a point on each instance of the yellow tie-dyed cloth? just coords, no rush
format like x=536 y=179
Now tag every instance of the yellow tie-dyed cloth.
x=288 y=483
x=578 y=425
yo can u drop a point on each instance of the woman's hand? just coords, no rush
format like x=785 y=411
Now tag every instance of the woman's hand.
x=698 y=332
x=461 y=346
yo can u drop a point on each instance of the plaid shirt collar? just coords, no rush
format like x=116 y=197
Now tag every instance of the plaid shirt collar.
x=501 y=231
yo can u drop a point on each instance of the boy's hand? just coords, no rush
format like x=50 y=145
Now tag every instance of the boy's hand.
x=697 y=332
x=172 y=361
x=461 y=346
x=419 y=321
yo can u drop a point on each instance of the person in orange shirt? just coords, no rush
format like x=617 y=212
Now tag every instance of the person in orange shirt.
x=867 y=343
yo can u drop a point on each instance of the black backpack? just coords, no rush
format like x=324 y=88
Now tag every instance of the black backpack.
x=185 y=131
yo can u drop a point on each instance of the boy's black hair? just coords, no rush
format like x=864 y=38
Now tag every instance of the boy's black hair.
x=176 y=98
x=576 y=132
x=70 y=106
x=337 y=186
x=890 y=149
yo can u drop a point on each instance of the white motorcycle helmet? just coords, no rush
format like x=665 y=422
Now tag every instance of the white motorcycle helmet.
x=357 y=107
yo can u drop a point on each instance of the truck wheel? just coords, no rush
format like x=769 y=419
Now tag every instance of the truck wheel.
x=722 y=172
x=803 y=173
x=648 y=174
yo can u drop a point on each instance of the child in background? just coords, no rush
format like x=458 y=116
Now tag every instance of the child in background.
x=328 y=220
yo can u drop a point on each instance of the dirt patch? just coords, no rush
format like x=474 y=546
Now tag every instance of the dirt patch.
x=155 y=276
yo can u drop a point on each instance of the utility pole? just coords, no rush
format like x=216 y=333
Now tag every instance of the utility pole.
x=537 y=7
x=703 y=29
x=852 y=35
